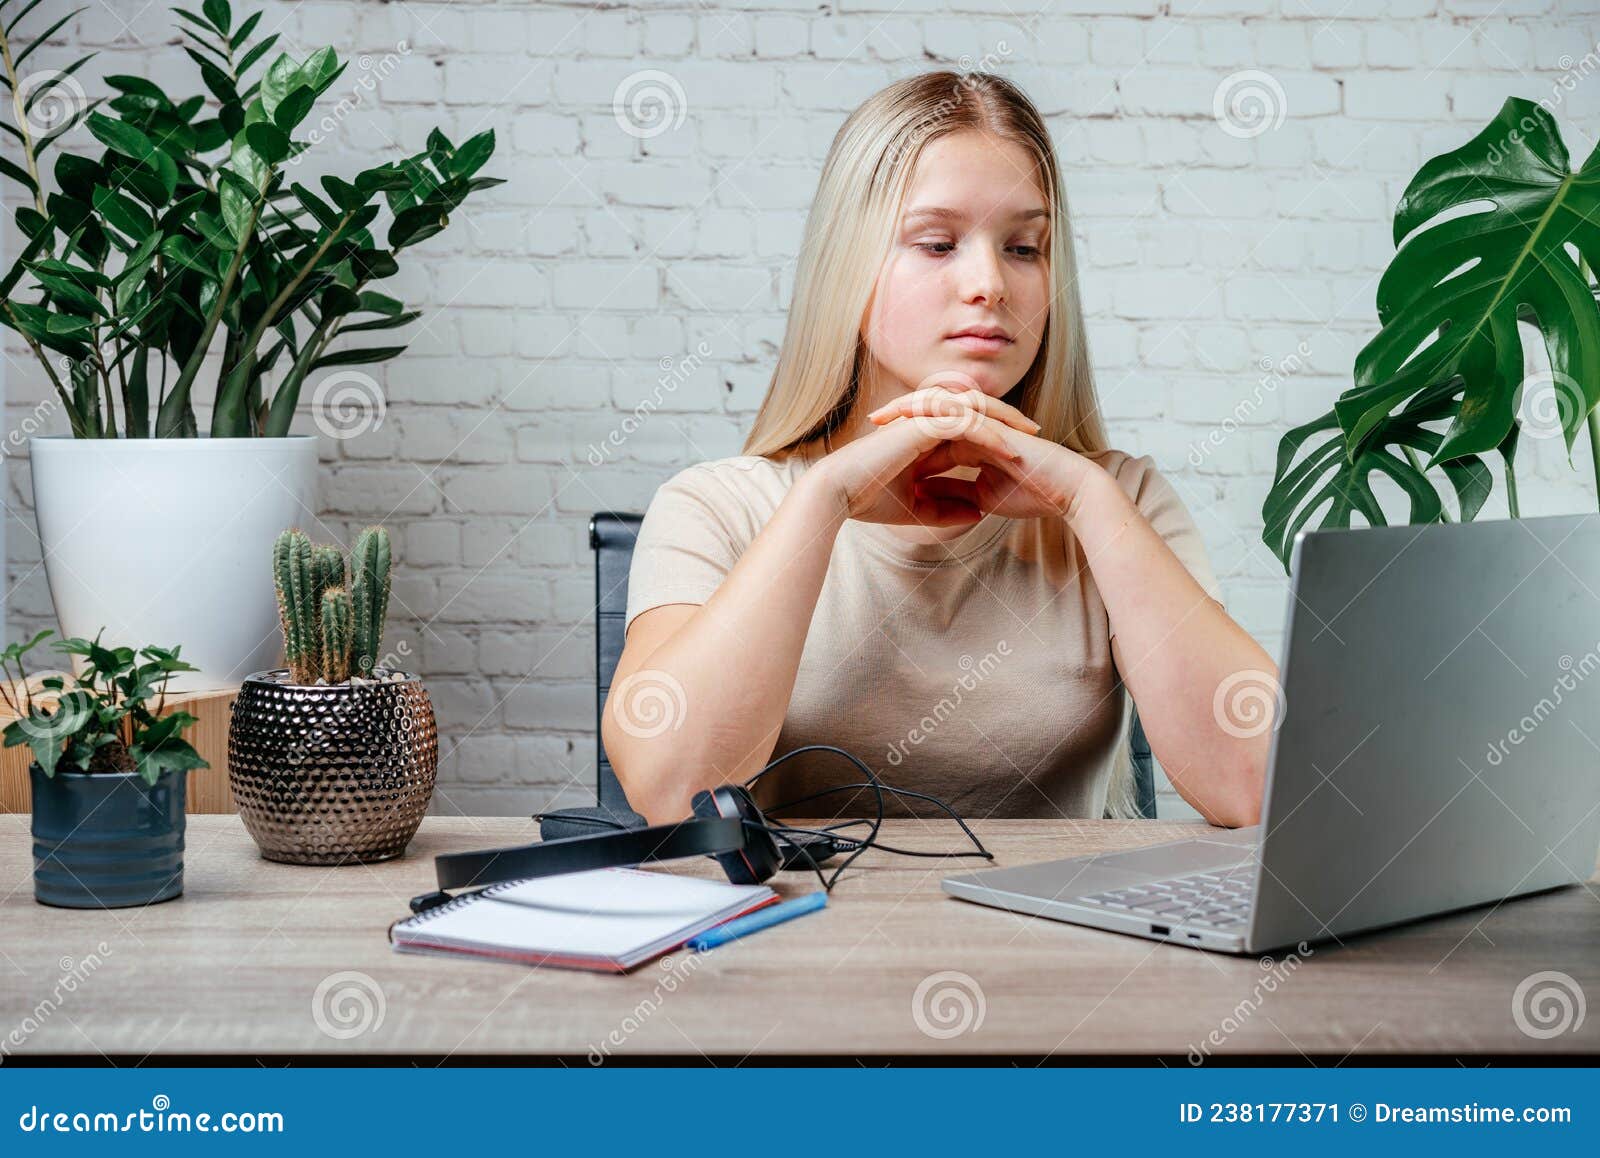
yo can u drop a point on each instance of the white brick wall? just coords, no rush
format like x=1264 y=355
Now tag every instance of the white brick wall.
x=553 y=302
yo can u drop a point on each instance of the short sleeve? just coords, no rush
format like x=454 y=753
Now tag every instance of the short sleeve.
x=687 y=544
x=1159 y=503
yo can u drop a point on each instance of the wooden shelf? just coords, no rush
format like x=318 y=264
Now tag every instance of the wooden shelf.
x=208 y=787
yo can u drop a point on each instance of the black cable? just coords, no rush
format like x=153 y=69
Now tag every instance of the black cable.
x=878 y=787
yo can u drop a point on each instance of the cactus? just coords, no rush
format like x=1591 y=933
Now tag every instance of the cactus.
x=337 y=621
x=330 y=630
x=297 y=611
x=369 y=590
x=329 y=567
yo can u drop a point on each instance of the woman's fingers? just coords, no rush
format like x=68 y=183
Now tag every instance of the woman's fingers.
x=945 y=502
x=951 y=402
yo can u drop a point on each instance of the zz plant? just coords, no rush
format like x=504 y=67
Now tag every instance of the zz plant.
x=1449 y=354
x=189 y=225
x=331 y=631
x=104 y=721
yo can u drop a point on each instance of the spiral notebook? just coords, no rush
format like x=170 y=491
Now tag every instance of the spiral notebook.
x=608 y=920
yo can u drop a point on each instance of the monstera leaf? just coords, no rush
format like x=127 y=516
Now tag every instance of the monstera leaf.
x=1449 y=350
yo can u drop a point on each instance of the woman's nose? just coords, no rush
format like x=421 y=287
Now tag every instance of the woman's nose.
x=983 y=277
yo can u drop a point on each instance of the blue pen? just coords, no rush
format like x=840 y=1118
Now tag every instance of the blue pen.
x=758 y=920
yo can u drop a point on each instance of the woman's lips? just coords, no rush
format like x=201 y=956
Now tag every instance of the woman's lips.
x=978 y=345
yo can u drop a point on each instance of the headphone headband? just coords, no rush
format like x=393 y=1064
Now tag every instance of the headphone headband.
x=699 y=837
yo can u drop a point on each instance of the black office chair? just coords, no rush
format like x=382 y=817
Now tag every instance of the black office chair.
x=612 y=534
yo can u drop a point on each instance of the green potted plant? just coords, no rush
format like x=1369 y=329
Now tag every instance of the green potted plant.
x=1449 y=354
x=186 y=235
x=332 y=759
x=109 y=773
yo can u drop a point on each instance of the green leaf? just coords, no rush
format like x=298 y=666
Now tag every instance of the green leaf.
x=1519 y=267
x=122 y=213
x=319 y=70
x=389 y=323
x=138 y=86
x=1324 y=479
x=374 y=264
x=470 y=157
x=416 y=224
x=275 y=85
x=345 y=195
x=257 y=51
x=268 y=141
x=244 y=31
x=291 y=110
x=326 y=215
x=357 y=357
x=121 y=137
x=40 y=38
x=18 y=174
x=219 y=13
x=238 y=210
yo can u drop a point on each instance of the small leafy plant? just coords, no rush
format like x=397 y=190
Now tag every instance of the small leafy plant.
x=331 y=632
x=103 y=722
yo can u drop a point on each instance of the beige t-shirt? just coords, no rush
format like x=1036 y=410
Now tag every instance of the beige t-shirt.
x=978 y=670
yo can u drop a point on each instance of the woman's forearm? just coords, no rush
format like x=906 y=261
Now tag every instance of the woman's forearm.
x=734 y=661
x=1179 y=652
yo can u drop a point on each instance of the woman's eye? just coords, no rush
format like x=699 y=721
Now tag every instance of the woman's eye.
x=1028 y=252
x=939 y=247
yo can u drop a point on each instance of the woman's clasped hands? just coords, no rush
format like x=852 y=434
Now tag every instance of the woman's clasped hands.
x=896 y=472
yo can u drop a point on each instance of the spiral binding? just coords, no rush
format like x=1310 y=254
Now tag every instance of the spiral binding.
x=452 y=904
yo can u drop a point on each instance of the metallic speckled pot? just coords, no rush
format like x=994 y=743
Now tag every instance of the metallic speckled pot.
x=330 y=775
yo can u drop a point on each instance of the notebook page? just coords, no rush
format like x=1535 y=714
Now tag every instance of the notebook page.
x=610 y=913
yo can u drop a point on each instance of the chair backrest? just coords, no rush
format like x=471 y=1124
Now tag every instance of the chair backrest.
x=612 y=534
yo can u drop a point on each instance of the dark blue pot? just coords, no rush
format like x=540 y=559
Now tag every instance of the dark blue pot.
x=107 y=840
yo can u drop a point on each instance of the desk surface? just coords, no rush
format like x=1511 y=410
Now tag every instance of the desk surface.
x=262 y=959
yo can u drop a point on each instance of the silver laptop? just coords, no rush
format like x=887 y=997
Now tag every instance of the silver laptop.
x=1437 y=747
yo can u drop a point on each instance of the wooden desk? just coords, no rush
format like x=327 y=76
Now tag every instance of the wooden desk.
x=234 y=966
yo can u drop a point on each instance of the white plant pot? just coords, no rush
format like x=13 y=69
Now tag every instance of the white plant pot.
x=168 y=541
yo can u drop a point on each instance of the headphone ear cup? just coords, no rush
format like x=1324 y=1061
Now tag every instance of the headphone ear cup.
x=759 y=860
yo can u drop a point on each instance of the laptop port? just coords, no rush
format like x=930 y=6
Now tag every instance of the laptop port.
x=1161 y=930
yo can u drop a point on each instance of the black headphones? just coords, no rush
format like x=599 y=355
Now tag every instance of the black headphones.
x=726 y=825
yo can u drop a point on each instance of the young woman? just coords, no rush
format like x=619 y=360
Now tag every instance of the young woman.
x=927 y=554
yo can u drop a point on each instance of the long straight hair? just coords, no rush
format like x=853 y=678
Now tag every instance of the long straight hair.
x=848 y=235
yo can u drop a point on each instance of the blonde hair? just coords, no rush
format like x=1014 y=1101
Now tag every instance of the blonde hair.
x=848 y=233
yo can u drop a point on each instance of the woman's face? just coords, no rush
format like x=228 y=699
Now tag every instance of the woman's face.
x=971 y=252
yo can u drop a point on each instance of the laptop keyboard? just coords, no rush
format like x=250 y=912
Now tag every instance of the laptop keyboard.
x=1218 y=899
